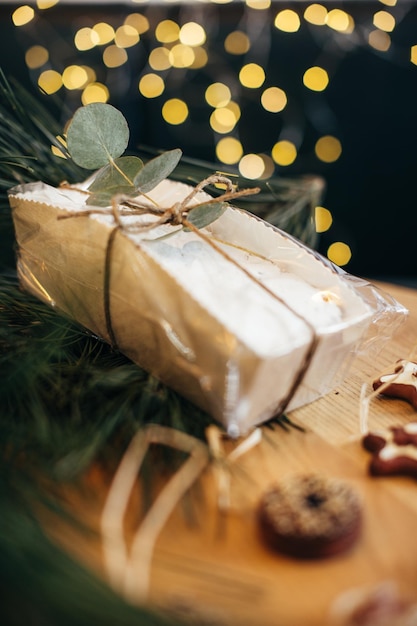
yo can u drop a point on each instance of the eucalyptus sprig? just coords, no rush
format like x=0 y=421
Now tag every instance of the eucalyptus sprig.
x=97 y=137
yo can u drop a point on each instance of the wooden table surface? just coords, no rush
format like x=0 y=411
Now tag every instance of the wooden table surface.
x=217 y=566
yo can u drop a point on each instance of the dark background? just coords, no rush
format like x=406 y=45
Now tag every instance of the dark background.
x=370 y=105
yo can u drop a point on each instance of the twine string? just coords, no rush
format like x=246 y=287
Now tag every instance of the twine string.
x=178 y=215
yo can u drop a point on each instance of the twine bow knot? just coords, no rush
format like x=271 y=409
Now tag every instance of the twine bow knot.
x=177 y=215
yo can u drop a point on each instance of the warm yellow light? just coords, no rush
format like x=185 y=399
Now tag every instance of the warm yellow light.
x=413 y=55
x=274 y=99
x=91 y=74
x=95 y=92
x=379 y=40
x=316 y=14
x=181 y=55
x=74 y=77
x=46 y=4
x=175 y=111
x=222 y=120
x=284 y=152
x=86 y=38
x=36 y=56
x=251 y=166
x=269 y=166
x=328 y=149
x=200 y=58
x=50 y=81
x=237 y=42
x=323 y=219
x=113 y=56
x=229 y=150
x=105 y=33
x=192 y=34
x=151 y=85
x=167 y=31
x=316 y=78
x=218 y=95
x=287 y=21
x=235 y=109
x=23 y=15
x=58 y=152
x=126 y=36
x=339 y=253
x=252 y=75
x=139 y=22
x=389 y=3
x=159 y=59
x=340 y=20
x=260 y=5
x=384 y=21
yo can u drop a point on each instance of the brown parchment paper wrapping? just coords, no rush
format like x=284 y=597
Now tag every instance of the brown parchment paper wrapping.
x=159 y=323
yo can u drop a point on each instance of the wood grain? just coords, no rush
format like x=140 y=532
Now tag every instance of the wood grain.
x=218 y=567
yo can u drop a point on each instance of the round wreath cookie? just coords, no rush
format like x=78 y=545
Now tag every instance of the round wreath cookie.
x=310 y=516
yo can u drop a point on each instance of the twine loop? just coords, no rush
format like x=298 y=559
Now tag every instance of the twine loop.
x=177 y=215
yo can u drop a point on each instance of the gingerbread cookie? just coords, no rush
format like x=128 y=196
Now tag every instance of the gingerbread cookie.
x=310 y=516
x=404 y=385
x=394 y=451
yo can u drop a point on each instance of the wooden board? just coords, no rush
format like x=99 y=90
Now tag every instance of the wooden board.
x=218 y=566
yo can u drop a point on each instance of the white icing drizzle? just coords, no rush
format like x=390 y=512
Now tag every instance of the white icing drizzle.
x=407 y=377
x=391 y=450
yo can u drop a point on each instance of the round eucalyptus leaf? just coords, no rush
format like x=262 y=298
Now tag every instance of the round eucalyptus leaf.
x=97 y=133
x=205 y=214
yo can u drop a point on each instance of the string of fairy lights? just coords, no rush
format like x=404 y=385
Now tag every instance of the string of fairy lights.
x=172 y=48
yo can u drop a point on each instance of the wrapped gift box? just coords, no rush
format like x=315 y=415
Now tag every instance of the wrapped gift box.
x=184 y=307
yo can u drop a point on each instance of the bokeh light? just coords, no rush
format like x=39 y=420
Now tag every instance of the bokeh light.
x=237 y=42
x=316 y=78
x=340 y=20
x=251 y=166
x=23 y=15
x=316 y=14
x=323 y=219
x=126 y=36
x=36 y=56
x=159 y=59
x=328 y=149
x=287 y=20
x=95 y=92
x=86 y=38
x=181 y=55
x=229 y=150
x=113 y=56
x=138 y=21
x=192 y=34
x=50 y=81
x=151 y=85
x=105 y=33
x=274 y=99
x=167 y=31
x=74 y=77
x=339 y=253
x=252 y=75
x=384 y=21
x=379 y=40
x=243 y=86
x=284 y=153
x=46 y=4
x=218 y=95
x=175 y=111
